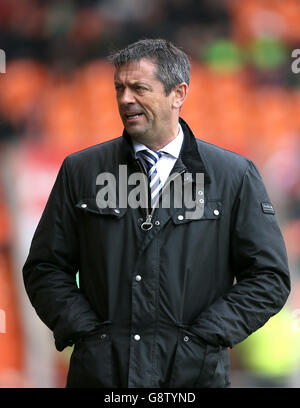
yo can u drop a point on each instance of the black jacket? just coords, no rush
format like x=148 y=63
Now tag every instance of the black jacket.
x=156 y=308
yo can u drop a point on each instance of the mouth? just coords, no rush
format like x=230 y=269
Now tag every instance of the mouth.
x=131 y=117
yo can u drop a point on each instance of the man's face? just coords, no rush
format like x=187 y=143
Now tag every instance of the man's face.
x=145 y=110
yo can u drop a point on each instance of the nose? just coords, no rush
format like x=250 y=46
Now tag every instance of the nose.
x=126 y=96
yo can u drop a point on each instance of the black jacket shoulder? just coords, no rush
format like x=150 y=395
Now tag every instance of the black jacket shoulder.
x=225 y=159
x=99 y=150
x=225 y=168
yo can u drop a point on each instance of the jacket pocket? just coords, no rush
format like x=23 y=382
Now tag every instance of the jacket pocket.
x=91 y=361
x=212 y=210
x=89 y=206
x=195 y=362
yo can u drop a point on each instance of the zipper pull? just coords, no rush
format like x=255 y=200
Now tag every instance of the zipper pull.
x=147 y=225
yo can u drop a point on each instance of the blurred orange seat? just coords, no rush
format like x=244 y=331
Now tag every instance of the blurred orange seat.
x=21 y=87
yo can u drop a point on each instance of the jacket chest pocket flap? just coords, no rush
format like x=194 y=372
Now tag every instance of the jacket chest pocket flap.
x=212 y=209
x=89 y=205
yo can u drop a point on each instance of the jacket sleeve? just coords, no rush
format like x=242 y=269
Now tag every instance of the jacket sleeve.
x=50 y=270
x=259 y=263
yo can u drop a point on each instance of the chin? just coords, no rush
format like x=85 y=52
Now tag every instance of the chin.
x=138 y=135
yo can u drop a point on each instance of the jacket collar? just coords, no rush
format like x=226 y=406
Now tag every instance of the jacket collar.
x=189 y=158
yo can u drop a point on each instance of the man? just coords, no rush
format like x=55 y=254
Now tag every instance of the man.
x=156 y=305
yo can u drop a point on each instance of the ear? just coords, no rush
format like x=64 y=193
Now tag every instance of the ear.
x=180 y=93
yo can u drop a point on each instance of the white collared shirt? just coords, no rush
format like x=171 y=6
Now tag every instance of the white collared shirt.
x=167 y=161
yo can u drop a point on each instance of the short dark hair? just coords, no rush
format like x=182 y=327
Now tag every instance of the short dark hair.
x=173 y=65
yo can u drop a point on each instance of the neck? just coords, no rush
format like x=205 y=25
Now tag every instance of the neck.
x=157 y=142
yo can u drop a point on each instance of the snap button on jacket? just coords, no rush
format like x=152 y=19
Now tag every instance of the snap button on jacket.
x=157 y=307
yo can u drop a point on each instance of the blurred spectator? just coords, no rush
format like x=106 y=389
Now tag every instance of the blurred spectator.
x=271 y=355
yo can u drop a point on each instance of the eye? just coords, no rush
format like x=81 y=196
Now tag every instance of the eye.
x=140 y=88
x=118 y=88
x=119 y=92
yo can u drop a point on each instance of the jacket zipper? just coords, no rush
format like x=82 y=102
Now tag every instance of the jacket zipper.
x=147 y=224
